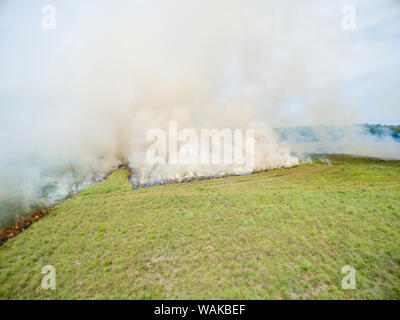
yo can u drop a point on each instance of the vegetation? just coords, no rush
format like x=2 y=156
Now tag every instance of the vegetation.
x=281 y=234
x=313 y=133
x=383 y=130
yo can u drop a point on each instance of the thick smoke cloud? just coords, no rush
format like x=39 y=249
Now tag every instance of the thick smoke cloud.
x=77 y=101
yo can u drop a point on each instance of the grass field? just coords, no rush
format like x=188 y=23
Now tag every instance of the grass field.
x=281 y=234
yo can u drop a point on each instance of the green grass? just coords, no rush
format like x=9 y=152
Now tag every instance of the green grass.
x=282 y=234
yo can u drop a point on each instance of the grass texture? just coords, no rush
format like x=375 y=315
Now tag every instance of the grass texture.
x=281 y=234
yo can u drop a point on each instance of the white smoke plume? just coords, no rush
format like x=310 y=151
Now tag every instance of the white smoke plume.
x=76 y=101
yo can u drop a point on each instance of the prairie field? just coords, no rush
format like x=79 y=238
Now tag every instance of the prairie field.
x=279 y=234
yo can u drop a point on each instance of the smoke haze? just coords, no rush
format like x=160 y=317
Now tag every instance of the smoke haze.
x=77 y=101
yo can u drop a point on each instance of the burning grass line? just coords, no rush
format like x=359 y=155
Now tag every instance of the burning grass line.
x=25 y=222
x=138 y=185
x=21 y=224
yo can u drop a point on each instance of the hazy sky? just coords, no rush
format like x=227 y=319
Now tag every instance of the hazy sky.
x=364 y=62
